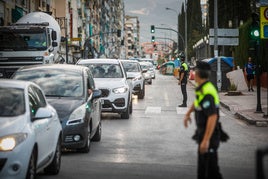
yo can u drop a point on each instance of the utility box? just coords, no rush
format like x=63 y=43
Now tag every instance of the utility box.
x=226 y=66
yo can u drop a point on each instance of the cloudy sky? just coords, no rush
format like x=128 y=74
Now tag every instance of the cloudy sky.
x=153 y=12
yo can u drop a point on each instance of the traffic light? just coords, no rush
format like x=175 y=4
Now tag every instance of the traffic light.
x=255 y=27
x=153 y=39
x=152 y=29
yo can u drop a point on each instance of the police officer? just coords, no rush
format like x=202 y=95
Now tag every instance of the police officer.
x=183 y=75
x=206 y=107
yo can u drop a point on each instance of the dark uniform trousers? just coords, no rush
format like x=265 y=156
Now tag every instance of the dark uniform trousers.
x=208 y=165
x=184 y=93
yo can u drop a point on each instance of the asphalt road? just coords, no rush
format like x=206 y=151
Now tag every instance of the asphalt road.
x=153 y=143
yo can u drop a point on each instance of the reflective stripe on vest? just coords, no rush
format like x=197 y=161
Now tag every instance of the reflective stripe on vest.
x=207 y=89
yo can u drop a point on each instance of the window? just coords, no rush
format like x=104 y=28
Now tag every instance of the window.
x=36 y=99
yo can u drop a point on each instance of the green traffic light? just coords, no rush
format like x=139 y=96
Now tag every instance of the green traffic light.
x=153 y=39
x=152 y=29
x=255 y=33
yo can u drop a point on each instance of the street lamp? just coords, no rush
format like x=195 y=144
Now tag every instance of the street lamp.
x=167 y=8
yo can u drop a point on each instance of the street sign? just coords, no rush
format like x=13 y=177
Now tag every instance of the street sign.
x=225 y=32
x=224 y=41
x=264 y=22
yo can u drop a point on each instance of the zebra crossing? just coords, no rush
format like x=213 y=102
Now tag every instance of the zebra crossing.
x=158 y=110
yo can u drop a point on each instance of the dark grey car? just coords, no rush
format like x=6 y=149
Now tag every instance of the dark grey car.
x=71 y=91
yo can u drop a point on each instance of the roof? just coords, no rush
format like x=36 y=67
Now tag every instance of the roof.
x=55 y=66
x=98 y=60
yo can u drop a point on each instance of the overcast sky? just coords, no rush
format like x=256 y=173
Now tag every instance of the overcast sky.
x=153 y=12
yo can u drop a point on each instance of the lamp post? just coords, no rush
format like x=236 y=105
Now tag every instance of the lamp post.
x=185 y=33
x=167 y=8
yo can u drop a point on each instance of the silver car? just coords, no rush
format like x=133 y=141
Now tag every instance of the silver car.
x=136 y=74
x=111 y=79
x=30 y=131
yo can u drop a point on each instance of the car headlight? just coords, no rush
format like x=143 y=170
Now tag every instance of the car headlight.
x=8 y=143
x=137 y=78
x=120 y=90
x=77 y=116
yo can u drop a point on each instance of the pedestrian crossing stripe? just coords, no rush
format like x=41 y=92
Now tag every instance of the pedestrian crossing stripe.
x=158 y=110
x=154 y=110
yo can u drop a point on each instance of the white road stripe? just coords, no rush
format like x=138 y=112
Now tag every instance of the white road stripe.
x=184 y=110
x=154 y=110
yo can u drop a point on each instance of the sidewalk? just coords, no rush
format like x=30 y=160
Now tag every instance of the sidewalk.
x=244 y=106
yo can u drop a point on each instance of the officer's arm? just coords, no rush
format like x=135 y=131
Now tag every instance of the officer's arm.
x=211 y=123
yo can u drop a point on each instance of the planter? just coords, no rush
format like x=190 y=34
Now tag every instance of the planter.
x=234 y=93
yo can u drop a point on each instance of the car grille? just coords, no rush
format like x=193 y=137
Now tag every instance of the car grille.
x=7 y=73
x=105 y=92
x=2 y=163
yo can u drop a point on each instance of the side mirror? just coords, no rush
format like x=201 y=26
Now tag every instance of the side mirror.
x=42 y=113
x=54 y=35
x=54 y=44
x=96 y=93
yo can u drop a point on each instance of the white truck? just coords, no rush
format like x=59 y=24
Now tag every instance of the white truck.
x=33 y=39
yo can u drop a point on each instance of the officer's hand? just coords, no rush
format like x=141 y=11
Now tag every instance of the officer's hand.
x=204 y=146
x=187 y=119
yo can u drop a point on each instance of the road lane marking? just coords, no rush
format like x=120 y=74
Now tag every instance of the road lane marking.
x=154 y=110
x=184 y=110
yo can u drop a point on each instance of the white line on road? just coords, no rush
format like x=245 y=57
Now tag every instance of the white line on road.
x=155 y=110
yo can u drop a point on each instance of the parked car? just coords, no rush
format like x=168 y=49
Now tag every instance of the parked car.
x=111 y=79
x=71 y=91
x=135 y=73
x=148 y=76
x=30 y=131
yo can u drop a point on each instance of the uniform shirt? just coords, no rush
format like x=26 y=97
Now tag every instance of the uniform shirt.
x=207 y=108
x=184 y=69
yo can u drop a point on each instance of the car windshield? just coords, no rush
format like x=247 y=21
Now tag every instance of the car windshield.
x=105 y=70
x=11 y=102
x=22 y=40
x=54 y=82
x=131 y=67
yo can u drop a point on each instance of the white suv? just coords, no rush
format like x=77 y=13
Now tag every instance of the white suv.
x=30 y=131
x=135 y=72
x=110 y=78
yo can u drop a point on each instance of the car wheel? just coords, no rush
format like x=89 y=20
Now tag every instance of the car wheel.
x=97 y=135
x=131 y=107
x=125 y=115
x=150 y=82
x=142 y=93
x=54 y=167
x=31 y=171
x=86 y=148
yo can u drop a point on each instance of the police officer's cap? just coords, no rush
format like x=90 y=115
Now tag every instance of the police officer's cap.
x=201 y=65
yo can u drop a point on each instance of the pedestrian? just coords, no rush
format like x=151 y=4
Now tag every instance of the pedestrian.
x=250 y=72
x=206 y=108
x=183 y=78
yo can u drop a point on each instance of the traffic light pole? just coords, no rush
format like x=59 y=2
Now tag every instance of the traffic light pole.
x=179 y=35
x=258 y=69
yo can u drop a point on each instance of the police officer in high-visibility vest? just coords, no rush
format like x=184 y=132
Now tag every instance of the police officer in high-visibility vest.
x=206 y=108
x=183 y=78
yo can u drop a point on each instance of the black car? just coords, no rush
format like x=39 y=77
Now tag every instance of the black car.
x=71 y=91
